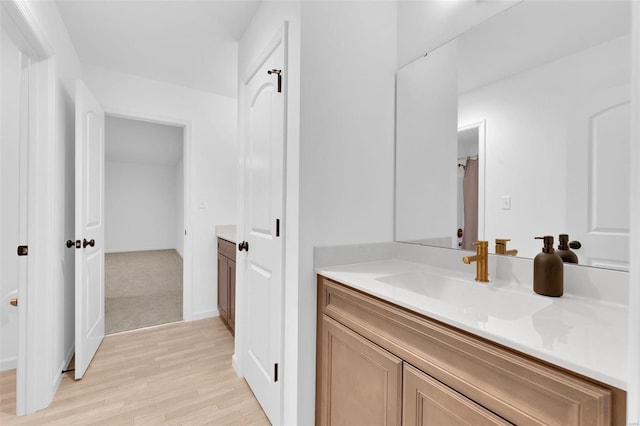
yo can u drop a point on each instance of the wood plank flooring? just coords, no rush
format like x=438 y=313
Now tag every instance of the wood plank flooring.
x=177 y=374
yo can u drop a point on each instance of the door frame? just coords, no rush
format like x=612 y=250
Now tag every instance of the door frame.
x=280 y=36
x=633 y=389
x=187 y=260
x=36 y=376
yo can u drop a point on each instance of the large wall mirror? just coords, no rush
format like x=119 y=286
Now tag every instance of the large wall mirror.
x=520 y=128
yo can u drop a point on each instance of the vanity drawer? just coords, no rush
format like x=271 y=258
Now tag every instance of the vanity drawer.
x=516 y=387
x=227 y=248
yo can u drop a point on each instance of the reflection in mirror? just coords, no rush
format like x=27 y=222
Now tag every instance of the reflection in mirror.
x=520 y=128
x=470 y=184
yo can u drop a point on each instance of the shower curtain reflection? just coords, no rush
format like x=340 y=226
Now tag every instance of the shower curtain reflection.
x=470 y=203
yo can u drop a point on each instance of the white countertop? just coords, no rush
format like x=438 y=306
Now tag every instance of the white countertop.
x=586 y=336
x=226 y=232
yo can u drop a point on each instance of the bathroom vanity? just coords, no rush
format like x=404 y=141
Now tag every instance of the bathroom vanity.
x=403 y=343
x=225 y=236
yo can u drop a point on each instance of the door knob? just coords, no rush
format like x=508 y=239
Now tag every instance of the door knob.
x=86 y=243
x=70 y=243
x=243 y=246
x=13 y=302
x=575 y=245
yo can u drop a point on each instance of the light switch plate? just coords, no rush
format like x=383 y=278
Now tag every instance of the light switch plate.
x=505 y=202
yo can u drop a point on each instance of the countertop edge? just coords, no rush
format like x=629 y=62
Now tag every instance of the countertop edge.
x=226 y=232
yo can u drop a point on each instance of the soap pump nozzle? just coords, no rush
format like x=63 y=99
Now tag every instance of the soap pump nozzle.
x=548 y=243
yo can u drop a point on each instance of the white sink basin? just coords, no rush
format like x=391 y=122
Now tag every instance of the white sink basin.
x=469 y=295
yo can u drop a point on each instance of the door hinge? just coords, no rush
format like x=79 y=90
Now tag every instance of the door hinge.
x=275 y=372
x=279 y=74
x=277 y=227
x=23 y=250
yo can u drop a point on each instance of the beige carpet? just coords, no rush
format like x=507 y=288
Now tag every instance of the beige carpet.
x=142 y=289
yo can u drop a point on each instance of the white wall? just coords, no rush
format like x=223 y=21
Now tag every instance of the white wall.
x=346 y=145
x=211 y=152
x=141 y=212
x=141 y=185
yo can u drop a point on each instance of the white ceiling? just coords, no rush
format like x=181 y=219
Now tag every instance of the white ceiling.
x=539 y=32
x=142 y=142
x=189 y=43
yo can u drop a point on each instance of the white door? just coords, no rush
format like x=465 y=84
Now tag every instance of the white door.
x=263 y=284
x=598 y=212
x=89 y=228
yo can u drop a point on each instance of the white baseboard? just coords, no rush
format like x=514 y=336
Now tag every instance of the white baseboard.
x=8 y=363
x=234 y=364
x=204 y=314
x=128 y=250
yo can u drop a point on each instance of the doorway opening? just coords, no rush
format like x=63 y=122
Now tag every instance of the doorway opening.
x=144 y=223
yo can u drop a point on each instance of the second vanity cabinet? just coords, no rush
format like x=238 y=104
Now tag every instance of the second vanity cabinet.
x=227 y=282
x=378 y=363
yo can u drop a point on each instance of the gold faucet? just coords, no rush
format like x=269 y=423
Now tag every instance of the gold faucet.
x=482 y=261
x=501 y=247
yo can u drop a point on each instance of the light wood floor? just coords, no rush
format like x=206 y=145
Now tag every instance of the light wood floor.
x=173 y=374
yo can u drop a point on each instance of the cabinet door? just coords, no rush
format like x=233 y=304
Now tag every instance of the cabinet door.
x=361 y=383
x=231 y=271
x=427 y=401
x=223 y=287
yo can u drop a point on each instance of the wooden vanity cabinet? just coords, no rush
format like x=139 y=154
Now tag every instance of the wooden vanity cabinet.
x=227 y=282
x=378 y=363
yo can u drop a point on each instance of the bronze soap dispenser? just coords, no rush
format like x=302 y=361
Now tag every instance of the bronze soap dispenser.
x=548 y=273
x=564 y=251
